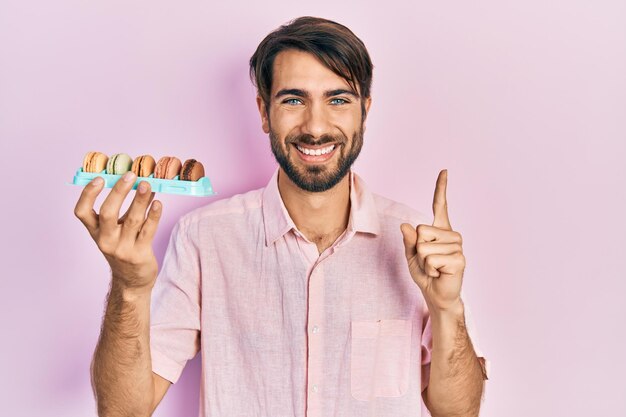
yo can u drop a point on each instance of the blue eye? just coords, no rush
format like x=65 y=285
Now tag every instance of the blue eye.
x=339 y=101
x=292 y=101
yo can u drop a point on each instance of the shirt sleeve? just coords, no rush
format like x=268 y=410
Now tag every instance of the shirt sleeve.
x=427 y=344
x=175 y=305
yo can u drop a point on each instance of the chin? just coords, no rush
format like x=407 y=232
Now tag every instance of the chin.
x=315 y=179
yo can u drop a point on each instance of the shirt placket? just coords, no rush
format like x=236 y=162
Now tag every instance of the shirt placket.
x=315 y=333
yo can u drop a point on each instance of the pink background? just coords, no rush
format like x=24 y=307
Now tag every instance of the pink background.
x=523 y=102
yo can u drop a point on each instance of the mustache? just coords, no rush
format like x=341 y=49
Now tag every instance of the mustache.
x=307 y=139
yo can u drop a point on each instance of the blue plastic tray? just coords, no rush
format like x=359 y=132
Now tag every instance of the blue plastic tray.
x=200 y=188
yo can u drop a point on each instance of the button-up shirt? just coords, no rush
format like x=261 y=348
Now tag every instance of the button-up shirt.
x=284 y=330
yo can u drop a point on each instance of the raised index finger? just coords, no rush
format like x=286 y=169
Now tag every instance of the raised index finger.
x=440 y=203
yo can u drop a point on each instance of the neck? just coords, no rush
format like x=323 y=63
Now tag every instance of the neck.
x=323 y=216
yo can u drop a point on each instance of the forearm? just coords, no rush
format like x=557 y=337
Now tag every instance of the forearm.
x=456 y=377
x=121 y=369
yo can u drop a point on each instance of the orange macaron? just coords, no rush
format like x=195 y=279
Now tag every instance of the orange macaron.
x=95 y=162
x=143 y=166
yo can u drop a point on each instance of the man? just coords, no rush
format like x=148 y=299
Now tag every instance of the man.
x=311 y=296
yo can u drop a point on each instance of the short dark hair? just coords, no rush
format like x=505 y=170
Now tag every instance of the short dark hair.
x=332 y=43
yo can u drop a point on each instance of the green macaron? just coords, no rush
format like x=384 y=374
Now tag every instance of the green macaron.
x=119 y=164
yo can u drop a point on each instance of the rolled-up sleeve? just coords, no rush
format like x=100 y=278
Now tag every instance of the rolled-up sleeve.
x=175 y=305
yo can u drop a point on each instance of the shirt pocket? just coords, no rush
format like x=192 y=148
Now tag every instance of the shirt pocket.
x=380 y=358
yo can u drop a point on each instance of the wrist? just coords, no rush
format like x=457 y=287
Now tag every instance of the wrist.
x=447 y=325
x=452 y=310
x=130 y=293
x=447 y=320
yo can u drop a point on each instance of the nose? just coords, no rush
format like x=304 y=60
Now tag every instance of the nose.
x=315 y=121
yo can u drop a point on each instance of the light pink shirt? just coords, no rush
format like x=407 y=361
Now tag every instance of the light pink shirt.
x=284 y=331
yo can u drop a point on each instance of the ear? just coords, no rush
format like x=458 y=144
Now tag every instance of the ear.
x=265 y=123
x=368 y=103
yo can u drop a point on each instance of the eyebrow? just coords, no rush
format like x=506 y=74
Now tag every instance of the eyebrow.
x=302 y=93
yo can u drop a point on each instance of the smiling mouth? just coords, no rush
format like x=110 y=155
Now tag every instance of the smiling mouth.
x=316 y=151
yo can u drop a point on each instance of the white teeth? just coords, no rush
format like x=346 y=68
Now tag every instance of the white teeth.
x=316 y=152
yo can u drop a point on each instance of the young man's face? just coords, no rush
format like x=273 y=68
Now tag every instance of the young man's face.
x=314 y=123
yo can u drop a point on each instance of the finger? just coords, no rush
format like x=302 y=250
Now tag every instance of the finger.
x=121 y=219
x=409 y=237
x=136 y=215
x=436 y=265
x=426 y=233
x=440 y=203
x=84 y=207
x=432 y=248
x=110 y=210
x=148 y=230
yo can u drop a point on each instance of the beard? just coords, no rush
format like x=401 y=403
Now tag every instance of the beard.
x=317 y=177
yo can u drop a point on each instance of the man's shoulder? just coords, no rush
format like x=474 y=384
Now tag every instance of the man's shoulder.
x=238 y=205
x=395 y=211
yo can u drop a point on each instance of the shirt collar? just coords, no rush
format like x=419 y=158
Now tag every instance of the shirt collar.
x=363 y=213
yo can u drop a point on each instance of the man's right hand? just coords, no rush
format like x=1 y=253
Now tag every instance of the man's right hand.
x=126 y=242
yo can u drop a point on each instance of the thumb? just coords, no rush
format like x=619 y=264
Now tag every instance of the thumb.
x=409 y=237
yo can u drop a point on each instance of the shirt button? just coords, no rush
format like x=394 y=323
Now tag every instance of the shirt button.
x=316 y=329
x=315 y=388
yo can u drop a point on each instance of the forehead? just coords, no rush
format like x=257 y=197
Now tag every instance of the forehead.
x=299 y=69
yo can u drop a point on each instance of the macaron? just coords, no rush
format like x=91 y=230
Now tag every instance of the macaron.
x=119 y=163
x=143 y=165
x=95 y=162
x=192 y=170
x=168 y=167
